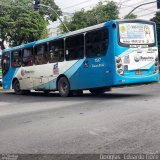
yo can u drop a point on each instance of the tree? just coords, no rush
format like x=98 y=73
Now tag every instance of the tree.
x=131 y=16
x=27 y=27
x=19 y=23
x=100 y=13
x=49 y=15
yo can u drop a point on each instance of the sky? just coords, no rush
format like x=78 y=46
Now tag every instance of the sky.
x=144 y=12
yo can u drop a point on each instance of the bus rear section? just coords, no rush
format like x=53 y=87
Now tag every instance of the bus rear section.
x=136 y=53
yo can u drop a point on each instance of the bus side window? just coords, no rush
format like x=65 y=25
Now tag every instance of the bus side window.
x=16 y=58
x=75 y=47
x=96 y=42
x=27 y=57
x=56 y=51
x=5 y=63
x=41 y=54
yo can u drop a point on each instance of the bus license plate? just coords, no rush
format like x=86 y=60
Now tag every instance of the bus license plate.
x=138 y=72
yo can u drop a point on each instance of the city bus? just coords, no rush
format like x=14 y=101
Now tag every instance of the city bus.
x=114 y=53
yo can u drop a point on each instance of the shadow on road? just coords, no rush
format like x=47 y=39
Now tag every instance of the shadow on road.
x=40 y=96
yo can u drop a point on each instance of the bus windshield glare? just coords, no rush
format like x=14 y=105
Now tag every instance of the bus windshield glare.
x=136 y=33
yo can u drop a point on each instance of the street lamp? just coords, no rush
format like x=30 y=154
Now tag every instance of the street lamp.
x=37 y=4
x=56 y=15
x=158 y=2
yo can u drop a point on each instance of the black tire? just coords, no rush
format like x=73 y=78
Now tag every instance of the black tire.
x=97 y=91
x=64 y=87
x=17 y=88
x=46 y=92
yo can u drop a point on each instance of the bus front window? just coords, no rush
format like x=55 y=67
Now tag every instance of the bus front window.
x=5 y=63
x=131 y=34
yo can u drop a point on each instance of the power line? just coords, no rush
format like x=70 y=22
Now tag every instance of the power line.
x=125 y=1
x=86 y=1
x=148 y=9
x=132 y=0
x=93 y=4
x=106 y=1
x=139 y=6
x=133 y=5
x=67 y=13
x=147 y=14
x=140 y=9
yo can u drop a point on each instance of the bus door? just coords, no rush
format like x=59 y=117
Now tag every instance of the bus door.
x=97 y=65
x=42 y=69
x=27 y=70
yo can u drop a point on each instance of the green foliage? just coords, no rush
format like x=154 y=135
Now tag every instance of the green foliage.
x=27 y=27
x=48 y=14
x=19 y=23
x=100 y=13
x=131 y=16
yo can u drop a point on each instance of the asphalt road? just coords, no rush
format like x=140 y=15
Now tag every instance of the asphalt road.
x=126 y=120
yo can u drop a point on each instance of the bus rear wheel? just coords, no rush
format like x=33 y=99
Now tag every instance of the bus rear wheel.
x=64 y=87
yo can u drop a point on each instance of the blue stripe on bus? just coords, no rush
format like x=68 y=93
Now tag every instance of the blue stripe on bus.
x=7 y=81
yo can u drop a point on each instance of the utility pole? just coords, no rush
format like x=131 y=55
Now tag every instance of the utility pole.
x=140 y=6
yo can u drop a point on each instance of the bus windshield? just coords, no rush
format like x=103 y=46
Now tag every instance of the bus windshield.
x=136 y=33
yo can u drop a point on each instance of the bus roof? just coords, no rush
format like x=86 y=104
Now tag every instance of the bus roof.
x=72 y=33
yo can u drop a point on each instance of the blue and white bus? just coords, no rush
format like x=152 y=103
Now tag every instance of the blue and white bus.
x=117 y=52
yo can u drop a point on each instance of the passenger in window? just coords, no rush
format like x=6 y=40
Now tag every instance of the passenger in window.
x=16 y=62
x=37 y=60
x=29 y=61
x=51 y=55
x=56 y=55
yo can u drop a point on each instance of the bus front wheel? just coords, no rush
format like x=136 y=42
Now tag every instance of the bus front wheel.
x=64 y=87
x=16 y=87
